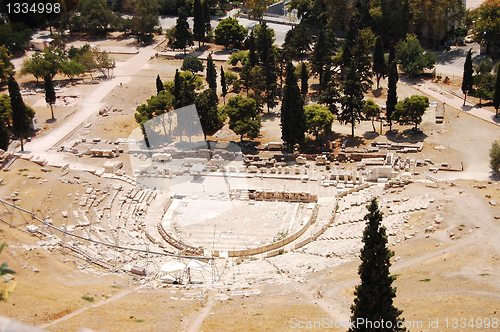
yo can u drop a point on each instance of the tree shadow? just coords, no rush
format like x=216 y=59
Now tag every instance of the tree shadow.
x=370 y=135
x=406 y=136
x=51 y=120
x=448 y=57
x=378 y=92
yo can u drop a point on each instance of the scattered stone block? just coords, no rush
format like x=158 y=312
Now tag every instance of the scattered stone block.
x=493 y=202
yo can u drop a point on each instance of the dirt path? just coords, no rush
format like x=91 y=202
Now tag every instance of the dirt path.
x=198 y=322
x=95 y=305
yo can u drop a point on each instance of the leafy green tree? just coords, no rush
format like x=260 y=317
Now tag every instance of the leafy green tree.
x=264 y=38
x=495 y=157
x=487 y=28
x=240 y=56
x=304 y=77
x=206 y=104
x=298 y=42
x=5 y=110
x=379 y=65
x=374 y=296
x=211 y=73
x=293 y=119
x=412 y=58
x=467 y=81
x=159 y=85
x=183 y=87
x=319 y=119
x=392 y=17
x=183 y=36
x=231 y=79
x=484 y=67
x=243 y=116
x=229 y=31
x=199 y=23
x=103 y=61
x=21 y=117
x=95 y=17
x=323 y=52
x=223 y=83
x=485 y=86
x=15 y=36
x=6 y=66
x=257 y=7
x=371 y=111
x=496 y=95
x=392 y=95
x=411 y=110
x=154 y=108
x=50 y=94
x=192 y=63
x=71 y=69
x=145 y=16
x=34 y=66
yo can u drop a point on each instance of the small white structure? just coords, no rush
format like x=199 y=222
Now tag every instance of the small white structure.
x=35 y=125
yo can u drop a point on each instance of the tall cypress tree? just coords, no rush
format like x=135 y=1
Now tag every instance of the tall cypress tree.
x=252 y=56
x=159 y=85
x=323 y=50
x=199 y=22
x=271 y=79
x=4 y=135
x=223 y=83
x=183 y=36
x=352 y=100
x=392 y=54
x=21 y=120
x=496 y=96
x=211 y=73
x=304 y=77
x=467 y=81
x=177 y=88
x=293 y=119
x=392 y=95
x=374 y=296
x=50 y=93
x=264 y=41
x=206 y=16
x=379 y=65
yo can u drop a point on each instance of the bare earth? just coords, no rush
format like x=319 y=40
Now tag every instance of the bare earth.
x=440 y=276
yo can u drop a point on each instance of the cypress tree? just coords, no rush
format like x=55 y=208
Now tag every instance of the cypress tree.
x=177 y=88
x=223 y=83
x=206 y=16
x=374 y=296
x=293 y=119
x=211 y=74
x=4 y=135
x=352 y=100
x=50 y=93
x=21 y=120
x=379 y=65
x=271 y=79
x=252 y=56
x=467 y=81
x=264 y=41
x=392 y=54
x=392 y=96
x=322 y=53
x=496 y=96
x=183 y=36
x=199 y=22
x=159 y=85
x=304 y=77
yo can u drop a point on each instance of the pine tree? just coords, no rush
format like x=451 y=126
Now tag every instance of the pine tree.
x=467 y=81
x=330 y=95
x=50 y=93
x=293 y=119
x=264 y=41
x=223 y=83
x=374 y=296
x=183 y=36
x=304 y=77
x=496 y=96
x=252 y=56
x=392 y=96
x=21 y=120
x=211 y=74
x=379 y=65
x=159 y=85
x=199 y=23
